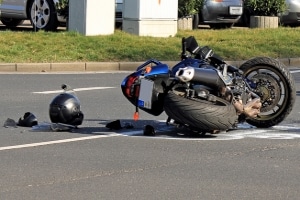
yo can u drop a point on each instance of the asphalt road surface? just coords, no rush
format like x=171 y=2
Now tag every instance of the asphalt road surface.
x=93 y=162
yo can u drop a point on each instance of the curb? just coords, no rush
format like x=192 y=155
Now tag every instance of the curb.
x=103 y=66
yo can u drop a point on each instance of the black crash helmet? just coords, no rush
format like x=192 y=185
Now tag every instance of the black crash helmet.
x=65 y=108
x=28 y=120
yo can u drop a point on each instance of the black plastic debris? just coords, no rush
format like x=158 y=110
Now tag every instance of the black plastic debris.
x=53 y=127
x=114 y=125
x=28 y=120
x=128 y=125
x=149 y=130
x=10 y=123
x=66 y=87
x=62 y=127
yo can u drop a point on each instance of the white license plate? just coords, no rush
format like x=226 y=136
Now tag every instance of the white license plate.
x=235 y=10
x=145 y=96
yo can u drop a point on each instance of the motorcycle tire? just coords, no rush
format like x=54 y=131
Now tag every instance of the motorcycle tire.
x=200 y=114
x=276 y=88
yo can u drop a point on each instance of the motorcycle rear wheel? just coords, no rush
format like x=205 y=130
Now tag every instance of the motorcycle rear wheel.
x=276 y=88
x=201 y=115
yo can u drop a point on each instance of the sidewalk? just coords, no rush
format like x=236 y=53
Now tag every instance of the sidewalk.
x=101 y=66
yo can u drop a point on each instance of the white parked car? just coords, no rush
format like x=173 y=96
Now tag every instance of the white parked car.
x=41 y=13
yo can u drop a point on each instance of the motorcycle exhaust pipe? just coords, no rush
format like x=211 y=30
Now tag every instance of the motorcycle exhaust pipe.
x=205 y=76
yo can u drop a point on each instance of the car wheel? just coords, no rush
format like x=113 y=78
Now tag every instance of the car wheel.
x=195 y=21
x=11 y=22
x=118 y=25
x=43 y=15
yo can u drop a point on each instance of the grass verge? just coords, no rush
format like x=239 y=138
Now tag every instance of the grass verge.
x=63 y=46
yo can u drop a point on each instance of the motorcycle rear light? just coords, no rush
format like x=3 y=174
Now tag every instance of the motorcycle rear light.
x=129 y=87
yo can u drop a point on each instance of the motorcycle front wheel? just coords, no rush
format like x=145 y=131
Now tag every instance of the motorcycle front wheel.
x=275 y=86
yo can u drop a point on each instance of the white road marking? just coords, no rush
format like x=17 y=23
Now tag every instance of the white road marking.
x=294 y=71
x=56 y=142
x=282 y=132
x=75 y=90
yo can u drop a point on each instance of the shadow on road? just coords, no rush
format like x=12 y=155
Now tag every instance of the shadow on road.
x=25 y=27
x=129 y=127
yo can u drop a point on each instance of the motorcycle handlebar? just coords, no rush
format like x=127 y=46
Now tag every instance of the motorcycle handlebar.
x=183 y=49
x=183 y=42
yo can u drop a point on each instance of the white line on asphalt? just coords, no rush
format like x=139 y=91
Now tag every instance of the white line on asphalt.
x=76 y=90
x=295 y=71
x=56 y=142
x=286 y=132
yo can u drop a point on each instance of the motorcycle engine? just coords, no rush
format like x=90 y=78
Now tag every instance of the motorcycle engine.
x=244 y=101
x=207 y=82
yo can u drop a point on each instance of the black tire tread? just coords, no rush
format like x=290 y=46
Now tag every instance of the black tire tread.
x=200 y=114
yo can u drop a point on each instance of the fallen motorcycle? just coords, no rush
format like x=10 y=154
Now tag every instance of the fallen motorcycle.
x=205 y=94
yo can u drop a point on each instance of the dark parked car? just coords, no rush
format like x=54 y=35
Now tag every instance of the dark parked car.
x=119 y=13
x=221 y=13
x=291 y=16
x=216 y=13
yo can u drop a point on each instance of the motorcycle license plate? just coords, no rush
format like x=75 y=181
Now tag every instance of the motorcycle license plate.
x=145 y=96
x=235 y=10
